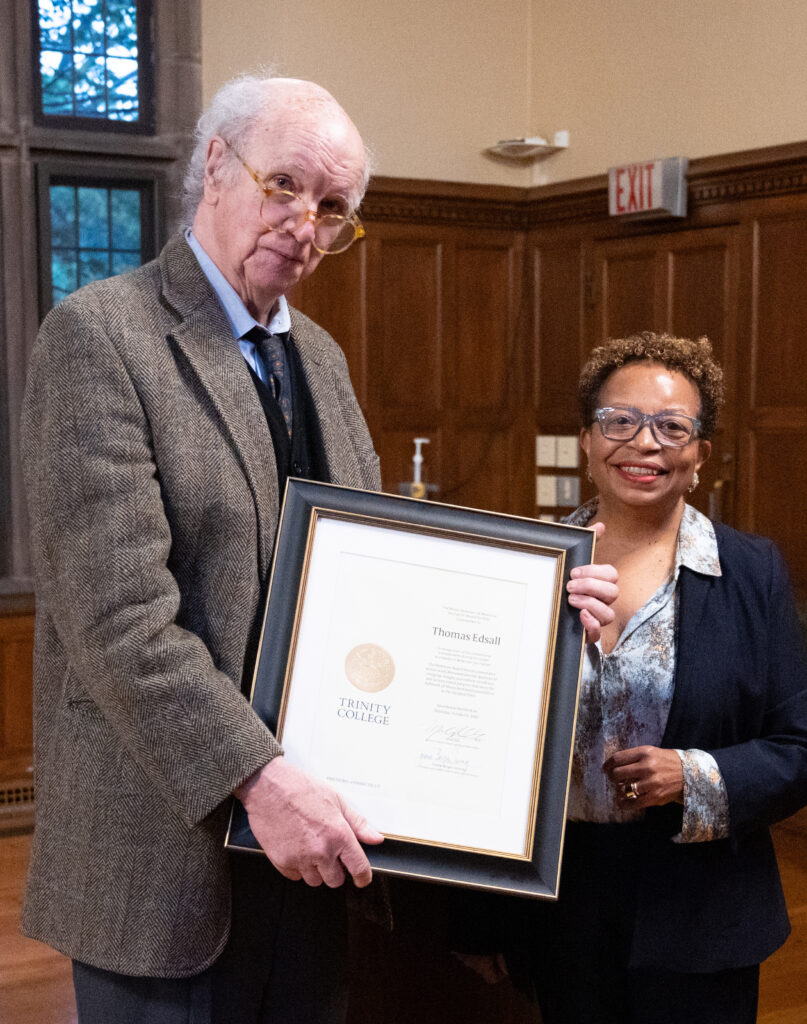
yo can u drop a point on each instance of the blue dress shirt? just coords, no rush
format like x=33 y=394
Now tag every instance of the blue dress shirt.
x=241 y=320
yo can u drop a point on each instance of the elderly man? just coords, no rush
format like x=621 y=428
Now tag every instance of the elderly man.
x=165 y=409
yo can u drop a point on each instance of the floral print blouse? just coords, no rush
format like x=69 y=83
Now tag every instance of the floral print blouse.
x=625 y=698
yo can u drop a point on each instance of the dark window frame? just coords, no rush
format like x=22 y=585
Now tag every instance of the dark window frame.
x=145 y=123
x=48 y=173
x=86 y=147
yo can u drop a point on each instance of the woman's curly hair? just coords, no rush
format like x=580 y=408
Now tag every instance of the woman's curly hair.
x=691 y=358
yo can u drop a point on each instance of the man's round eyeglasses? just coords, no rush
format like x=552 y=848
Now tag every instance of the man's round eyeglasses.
x=333 y=232
x=623 y=423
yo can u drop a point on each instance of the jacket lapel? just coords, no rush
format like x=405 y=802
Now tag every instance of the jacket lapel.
x=205 y=337
x=694 y=590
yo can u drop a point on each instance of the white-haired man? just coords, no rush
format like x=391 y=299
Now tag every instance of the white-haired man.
x=164 y=410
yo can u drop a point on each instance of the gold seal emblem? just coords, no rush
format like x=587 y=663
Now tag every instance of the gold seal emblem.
x=369 y=668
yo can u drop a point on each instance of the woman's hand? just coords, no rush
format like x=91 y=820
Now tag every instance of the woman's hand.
x=654 y=774
x=593 y=589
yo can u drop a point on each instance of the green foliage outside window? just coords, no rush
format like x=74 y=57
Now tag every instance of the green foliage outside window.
x=88 y=59
x=95 y=232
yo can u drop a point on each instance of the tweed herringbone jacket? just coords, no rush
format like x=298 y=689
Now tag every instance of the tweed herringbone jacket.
x=153 y=502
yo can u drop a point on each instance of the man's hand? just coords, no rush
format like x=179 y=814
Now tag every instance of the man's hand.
x=593 y=589
x=656 y=773
x=305 y=828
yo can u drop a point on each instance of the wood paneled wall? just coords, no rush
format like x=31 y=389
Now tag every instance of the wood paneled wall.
x=16 y=713
x=433 y=318
x=467 y=312
x=734 y=269
x=16 y=667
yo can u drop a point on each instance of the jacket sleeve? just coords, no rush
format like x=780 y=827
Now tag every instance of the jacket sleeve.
x=101 y=541
x=766 y=773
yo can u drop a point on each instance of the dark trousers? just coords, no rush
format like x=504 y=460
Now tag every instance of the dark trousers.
x=285 y=963
x=581 y=947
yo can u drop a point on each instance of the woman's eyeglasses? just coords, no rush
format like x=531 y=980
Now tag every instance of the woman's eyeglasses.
x=623 y=423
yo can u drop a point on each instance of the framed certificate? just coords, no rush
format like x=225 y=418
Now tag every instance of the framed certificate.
x=423 y=660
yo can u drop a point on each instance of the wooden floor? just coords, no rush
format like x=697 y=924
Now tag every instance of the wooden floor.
x=783 y=985
x=35 y=985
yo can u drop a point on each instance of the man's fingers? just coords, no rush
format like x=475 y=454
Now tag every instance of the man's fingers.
x=362 y=829
x=331 y=873
x=357 y=865
x=352 y=857
x=287 y=871
x=311 y=875
x=305 y=827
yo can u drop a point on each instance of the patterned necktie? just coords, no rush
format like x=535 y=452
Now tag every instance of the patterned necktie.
x=270 y=349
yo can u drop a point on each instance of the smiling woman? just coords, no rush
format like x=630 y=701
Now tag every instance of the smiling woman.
x=643 y=446
x=692 y=725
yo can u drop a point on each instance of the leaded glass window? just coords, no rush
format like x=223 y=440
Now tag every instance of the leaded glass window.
x=96 y=230
x=92 y=56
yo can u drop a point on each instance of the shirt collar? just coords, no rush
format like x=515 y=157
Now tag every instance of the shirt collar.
x=697 y=543
x=241 y=320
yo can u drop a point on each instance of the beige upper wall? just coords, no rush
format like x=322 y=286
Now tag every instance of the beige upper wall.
x=432 y=84
x=429 y=83
x=637 y=79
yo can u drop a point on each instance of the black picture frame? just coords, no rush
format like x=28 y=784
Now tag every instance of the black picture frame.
x=537 y=873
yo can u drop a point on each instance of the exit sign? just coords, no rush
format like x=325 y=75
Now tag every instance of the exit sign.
x=652 y=188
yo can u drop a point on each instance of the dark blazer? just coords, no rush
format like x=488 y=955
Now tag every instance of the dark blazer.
x=153 y=498
x=741 y=694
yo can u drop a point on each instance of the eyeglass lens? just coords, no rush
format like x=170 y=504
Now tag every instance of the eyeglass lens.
x=625 y=424
x=332 y=232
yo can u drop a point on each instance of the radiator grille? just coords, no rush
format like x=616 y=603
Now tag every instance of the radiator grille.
x=16 y=794
x=16 y=804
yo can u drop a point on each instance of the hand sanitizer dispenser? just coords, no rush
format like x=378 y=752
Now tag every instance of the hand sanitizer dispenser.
x=417 y=489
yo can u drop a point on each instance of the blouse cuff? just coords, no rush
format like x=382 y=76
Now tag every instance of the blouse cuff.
x=706 y=802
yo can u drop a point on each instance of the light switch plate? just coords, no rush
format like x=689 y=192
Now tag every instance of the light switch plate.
x=568 y=491
x=546 y=452
x=568 y=451
x=547 y=491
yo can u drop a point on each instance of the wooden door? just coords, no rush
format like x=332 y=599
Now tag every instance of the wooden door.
x=432 y=322
x=773 y=382
x=684 y=283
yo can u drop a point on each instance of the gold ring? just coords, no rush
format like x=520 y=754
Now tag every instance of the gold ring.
x=632 y=791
